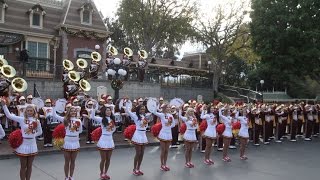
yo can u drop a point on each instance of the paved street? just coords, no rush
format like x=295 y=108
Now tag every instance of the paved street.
x=287 y=161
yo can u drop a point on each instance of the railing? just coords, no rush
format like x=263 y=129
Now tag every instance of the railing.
x=248 y=94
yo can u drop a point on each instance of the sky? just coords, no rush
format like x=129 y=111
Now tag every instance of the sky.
x=109 y=8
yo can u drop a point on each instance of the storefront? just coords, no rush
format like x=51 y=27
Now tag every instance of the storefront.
x=10 y=45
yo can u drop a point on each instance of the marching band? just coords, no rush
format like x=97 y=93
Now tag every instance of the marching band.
x=209 y=124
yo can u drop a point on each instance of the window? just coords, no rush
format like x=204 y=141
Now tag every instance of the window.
x=86 y=11
x=3 y=7
x=4 y=50
x=86 y=17
x=38 y=56
x=36 y=19
x=36 y=14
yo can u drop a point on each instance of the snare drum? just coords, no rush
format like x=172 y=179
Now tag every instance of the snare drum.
x=53 y=125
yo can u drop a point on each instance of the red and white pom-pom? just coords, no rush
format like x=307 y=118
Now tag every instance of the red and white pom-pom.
x=15 y=139
x=96 y=134
x=221 y=128
x=236 y=125
x=59 y=132
x=203 y=126
x=183 y=128
x=129 y=131
x=155 y=129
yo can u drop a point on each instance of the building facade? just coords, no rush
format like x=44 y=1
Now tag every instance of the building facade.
x=50 y=30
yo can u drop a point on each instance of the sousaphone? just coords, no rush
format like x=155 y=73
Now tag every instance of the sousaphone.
x=3 y=62
x=143 y=54
x=74 y=76
x=19 y=84
x=128 y=52
x=84 y=85
x=95 y=56
x=8 y=71
x=67 y=64
x=82 y=63
x=113 y=51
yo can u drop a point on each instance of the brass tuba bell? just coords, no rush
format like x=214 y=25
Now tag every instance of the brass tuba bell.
x=143 y=54
x=82 y=63
x=8 y=71
x=3 y=62
x=128 y=52
x=74 y=76
x=19 y=84
x=113 y=50
x=67 y=64
x=95 y=56
x=84 y=85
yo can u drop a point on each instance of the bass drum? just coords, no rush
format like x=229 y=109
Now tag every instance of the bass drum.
x=60 y=106
x=38 y=102
x=152 y=104
x=177 y=102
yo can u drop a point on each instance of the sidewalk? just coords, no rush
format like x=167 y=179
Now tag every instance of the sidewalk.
x=6 y=152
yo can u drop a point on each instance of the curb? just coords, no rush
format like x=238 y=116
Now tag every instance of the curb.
x=56 y=151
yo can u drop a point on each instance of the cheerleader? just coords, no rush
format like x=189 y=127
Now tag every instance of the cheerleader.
x=30 y=129
x=210 y=133
x=139 y=138
x=189 y=136
x=227 y=134
x=105 y=143
x=71 y=145
x=165 y=135
x=2 y=133
x=243 y=132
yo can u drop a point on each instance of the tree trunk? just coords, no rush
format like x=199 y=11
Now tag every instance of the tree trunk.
x=215 y=82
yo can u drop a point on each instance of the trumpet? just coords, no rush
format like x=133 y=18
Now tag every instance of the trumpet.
x=82 y=63
x=128 y=52
x=67 y=64
x=95 y=56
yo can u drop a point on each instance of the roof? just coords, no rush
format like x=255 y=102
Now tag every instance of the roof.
x=71 y=16
x=55 y=11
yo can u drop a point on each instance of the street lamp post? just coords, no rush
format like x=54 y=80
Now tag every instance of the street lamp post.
x=210 y=76
x=116 y=70
x=262 y=82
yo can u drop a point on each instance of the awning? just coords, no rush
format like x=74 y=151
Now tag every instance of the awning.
x=9 y=38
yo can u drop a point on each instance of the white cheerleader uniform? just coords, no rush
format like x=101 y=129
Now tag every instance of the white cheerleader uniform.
x=227 y=120
x=165 y=132
x=105 y=142
x=190 y=134
x=71 y=140
x=29 y=144
x=244 y=129
x=139 y=136
x=2 y=133
x=210 y=132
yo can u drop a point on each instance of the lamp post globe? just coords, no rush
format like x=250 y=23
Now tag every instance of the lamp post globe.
x=97 y=47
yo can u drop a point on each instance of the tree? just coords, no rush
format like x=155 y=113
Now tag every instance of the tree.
x=286 y=35
x=119 y=39
x=153 y=25
x=221 y=32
